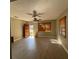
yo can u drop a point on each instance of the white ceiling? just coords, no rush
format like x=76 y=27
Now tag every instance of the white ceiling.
x=51 y=8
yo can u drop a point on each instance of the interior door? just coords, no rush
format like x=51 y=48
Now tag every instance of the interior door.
x=26 y=31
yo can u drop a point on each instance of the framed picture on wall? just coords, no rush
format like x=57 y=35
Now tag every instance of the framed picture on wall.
x=62 y=26
x=44 y=27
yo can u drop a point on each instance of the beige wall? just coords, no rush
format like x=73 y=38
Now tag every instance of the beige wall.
x=63 y=40
x=16 y=28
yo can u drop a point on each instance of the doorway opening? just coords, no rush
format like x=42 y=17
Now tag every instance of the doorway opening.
x=31 y=28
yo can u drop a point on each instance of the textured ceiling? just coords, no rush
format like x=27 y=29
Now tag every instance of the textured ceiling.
x=51 y=8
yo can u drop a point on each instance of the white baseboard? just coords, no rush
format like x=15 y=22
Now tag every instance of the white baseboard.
x=16 y=40
x=64 y=48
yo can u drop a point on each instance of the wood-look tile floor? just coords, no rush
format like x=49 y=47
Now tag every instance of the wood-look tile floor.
x=37 y=48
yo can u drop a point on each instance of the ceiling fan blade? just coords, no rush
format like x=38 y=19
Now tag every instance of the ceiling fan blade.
x=40 y=19
x=29 y=13
x=40 y=13
x=38 y=16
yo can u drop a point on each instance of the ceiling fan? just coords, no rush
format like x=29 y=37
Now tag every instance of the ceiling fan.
x=35 y=19
x=34 y=14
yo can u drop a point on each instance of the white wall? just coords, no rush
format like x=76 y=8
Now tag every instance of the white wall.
x=16 y=28
x=63 y=40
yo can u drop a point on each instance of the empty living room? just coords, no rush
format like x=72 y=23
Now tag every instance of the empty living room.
x=38 y=29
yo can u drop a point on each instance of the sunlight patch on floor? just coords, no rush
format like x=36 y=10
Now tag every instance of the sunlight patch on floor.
x=33 y=37
x=31 y=43
x=54 y=41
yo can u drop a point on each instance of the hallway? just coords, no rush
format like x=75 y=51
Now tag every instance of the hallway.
x=37 y=48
